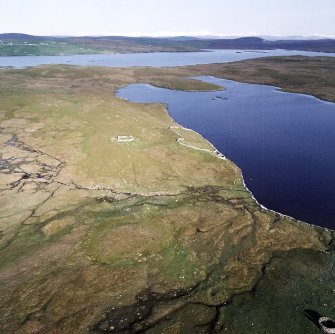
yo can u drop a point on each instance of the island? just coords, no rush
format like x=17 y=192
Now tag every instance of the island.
x=115 y=219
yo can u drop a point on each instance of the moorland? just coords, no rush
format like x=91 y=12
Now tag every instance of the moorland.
x=103 y=236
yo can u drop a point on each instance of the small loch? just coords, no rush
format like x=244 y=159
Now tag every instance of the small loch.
x=284 y=143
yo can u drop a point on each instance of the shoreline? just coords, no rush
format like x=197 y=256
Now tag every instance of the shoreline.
x=220 y=155
x=218 y=57
x=276 y=88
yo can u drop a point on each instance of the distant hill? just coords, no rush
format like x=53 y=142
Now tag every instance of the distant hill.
x=327 y=45
x=123 y=44
x=322 y=45
x=18 y=36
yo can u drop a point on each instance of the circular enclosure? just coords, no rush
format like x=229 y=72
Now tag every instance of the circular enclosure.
x=327 y=325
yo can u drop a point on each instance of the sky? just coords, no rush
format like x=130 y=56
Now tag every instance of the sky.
x=169 y=17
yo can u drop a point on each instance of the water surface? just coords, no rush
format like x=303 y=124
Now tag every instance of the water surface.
x=283 y=142
x=155 y=59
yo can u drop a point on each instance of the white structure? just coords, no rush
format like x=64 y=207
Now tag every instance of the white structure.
x=327 y=325
x=124 y=138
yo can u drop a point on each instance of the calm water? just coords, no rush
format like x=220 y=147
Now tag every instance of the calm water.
x=284 y=143
x=156 y=59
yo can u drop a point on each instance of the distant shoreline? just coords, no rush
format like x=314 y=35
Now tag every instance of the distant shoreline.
x=22 y=44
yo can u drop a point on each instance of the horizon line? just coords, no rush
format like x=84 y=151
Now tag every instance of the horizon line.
x=173 y=35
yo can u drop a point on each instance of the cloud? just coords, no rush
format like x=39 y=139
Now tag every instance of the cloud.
x=198 y=33
x=167 y=33
x=164 y=33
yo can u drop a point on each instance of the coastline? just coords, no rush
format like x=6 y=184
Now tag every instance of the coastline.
x=220 y=155
x=275 y=88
